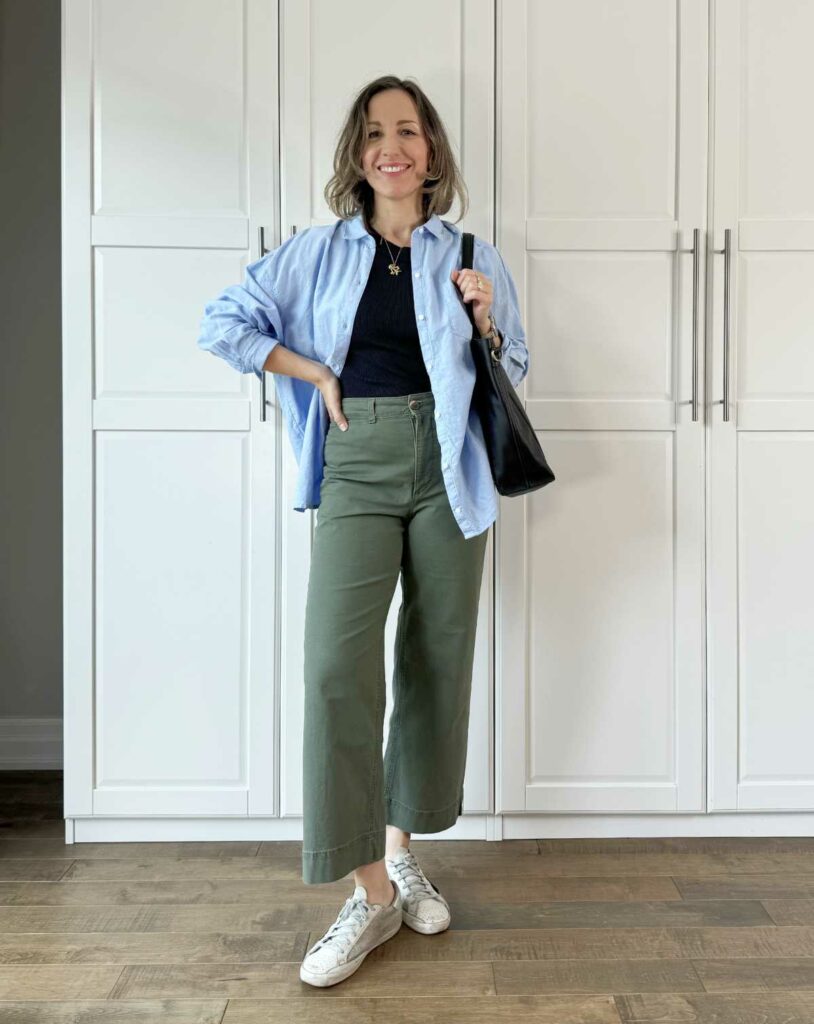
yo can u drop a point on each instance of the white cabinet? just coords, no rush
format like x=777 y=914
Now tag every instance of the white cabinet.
x=170 y=541
x=186 y=566
x=644 y=638
x=600 y=633
x=669 y=549
x=760 y=460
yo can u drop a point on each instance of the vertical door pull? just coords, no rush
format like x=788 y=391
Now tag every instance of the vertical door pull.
x=263 y=250
x=727 y=253
x=696 y=263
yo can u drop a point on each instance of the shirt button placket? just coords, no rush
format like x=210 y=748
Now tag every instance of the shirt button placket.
x=417 y=273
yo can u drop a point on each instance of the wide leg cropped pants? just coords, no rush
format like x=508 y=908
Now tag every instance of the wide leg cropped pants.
x=384 y=511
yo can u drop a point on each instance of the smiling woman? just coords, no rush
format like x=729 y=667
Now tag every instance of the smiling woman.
x=391 y=453
x=396 y=152
x=393 y=122
x=390 y=506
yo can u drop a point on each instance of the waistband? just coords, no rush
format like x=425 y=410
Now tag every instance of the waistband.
x=387 y=406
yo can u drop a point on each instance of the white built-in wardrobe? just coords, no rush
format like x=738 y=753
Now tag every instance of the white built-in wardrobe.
x=645 y=649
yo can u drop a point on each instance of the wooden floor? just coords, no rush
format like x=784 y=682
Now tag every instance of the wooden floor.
x=562 y=932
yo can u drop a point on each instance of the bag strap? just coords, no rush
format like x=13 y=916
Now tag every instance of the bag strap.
x=467 y=250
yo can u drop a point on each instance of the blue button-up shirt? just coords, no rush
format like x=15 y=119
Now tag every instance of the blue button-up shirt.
x=304 y=295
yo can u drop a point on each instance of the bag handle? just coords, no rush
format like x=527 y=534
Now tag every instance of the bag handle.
x=467 y=251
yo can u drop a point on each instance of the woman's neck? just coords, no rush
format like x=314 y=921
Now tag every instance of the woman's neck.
x=397 y=232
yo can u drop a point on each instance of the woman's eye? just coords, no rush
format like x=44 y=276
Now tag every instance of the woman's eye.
x=375 y=132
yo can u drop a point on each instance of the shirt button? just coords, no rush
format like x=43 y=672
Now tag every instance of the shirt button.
x=420 y=316
x=418 y=273
x=458 y=509
x=438 y=414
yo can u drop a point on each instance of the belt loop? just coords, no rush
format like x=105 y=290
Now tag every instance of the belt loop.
x=371 y=408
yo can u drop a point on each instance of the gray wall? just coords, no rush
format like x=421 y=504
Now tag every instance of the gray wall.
x=30 y=372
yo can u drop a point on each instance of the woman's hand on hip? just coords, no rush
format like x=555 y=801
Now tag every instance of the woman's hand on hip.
x=332 y=393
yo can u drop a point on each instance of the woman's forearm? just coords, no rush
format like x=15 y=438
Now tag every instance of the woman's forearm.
x=290 y=364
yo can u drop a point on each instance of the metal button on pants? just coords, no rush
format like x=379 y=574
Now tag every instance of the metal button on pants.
x=384 y=512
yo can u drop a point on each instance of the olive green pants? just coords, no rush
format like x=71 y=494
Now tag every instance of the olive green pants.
x=384 y=511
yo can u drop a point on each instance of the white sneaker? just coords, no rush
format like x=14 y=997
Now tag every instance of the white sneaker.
x=425 y=909
x=359 y=927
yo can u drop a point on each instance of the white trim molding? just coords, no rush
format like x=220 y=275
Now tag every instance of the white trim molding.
x=492 y=827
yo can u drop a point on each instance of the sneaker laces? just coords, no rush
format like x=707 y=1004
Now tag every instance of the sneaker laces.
x=342 y=931
x=413 y=878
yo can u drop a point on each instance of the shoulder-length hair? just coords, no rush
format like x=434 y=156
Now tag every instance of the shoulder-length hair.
x=349 y=191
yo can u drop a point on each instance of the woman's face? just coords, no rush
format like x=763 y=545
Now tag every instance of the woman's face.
x=395 y=137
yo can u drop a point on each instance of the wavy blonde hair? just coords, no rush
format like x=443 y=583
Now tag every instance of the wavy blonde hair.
x=349 y=191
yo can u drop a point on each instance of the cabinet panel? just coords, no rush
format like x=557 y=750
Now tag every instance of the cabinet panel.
x=141 y=348
x=775 y=613
x=617 y=311
x=171 y=645
x=600 y=617
x=169 y=103
x=601 y=108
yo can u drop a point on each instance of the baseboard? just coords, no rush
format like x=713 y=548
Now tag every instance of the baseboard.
x=32 y=743
x=492 y=827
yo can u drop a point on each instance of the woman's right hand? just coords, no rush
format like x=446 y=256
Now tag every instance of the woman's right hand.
x=332 y=393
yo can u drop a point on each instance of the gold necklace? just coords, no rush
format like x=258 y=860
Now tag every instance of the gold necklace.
x=393 y=264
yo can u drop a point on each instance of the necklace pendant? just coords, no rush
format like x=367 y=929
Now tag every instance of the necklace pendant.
x=394 y=269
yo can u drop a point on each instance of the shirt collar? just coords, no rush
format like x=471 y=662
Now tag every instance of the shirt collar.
x=354 y=227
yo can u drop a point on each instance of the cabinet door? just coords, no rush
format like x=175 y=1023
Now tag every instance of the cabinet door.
x=600 y=575
x=761 y=458
x=327 y=56
x=169 y=485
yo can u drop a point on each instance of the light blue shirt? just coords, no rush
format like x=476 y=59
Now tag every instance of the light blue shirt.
x=304 y=295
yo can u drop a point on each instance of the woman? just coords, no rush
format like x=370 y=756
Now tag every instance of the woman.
x=363 y=325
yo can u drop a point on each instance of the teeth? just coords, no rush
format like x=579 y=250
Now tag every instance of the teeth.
x=390 y=168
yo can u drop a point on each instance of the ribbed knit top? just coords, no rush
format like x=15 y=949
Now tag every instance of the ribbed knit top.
x=384 y=357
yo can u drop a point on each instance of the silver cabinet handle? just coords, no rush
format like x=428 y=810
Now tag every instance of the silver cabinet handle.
x=727 y=253
x=263 y=251
x=696 y=264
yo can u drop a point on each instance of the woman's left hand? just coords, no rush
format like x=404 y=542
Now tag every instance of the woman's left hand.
x=477 y=289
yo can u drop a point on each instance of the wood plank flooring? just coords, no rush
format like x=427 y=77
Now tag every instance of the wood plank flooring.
x=639 y=931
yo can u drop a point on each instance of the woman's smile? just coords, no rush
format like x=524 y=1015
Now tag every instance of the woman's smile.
x=394 y=170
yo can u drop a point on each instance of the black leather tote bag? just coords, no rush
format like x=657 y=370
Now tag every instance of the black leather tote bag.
x=515 y=456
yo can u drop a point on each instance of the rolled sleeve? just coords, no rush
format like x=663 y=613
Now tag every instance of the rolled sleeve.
x=506 y=311
x=244 y=323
